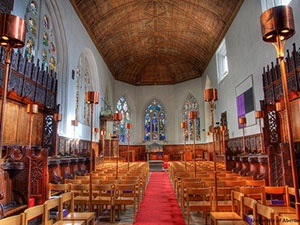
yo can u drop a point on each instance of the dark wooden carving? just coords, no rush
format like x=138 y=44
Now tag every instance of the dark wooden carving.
x=25 y=177
x=274 y=122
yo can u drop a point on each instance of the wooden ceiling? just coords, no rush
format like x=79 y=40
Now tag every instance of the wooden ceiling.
x=156 y=42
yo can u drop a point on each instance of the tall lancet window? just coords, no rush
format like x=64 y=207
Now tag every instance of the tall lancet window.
x=191 y=104
x=122 y=107
x=40 y=35
x=83 y=84
x=154 y=122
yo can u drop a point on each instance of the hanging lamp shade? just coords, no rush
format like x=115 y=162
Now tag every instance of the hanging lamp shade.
x=183 y=125
x=92 y=97
x=12 y=30
x=259 y=114
x=277 y=21
x=210 y=94
x=128 y=126
x=74 y=123
x=32 y=109
x=118 y=116
x=242 y=120
x=57 y=117
x=193 y=114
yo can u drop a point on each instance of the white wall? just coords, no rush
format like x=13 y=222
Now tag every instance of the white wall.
x=247 y=54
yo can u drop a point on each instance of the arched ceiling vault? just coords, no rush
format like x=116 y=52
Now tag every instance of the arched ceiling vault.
x=156 y=42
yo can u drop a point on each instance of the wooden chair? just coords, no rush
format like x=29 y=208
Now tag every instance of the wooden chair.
x=35 y=212
x=255 y=183
x=199 y=199
x=234 y=183
x=57 y=189
x=103 y=197
x=134 y=180
x=180 y=185
x=184 y=186
x=249 y=210
x=264 y=214
x=236 y=212
x=81 y=195
x=224 y=198
x=125 y=194
x=276 y=195
x=66 y=201
x=51 y=204
x=12 y=220
x=257 y=193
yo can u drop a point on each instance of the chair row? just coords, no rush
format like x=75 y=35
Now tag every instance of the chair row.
x=57 y=211
x=240 y=204
x=104 y=197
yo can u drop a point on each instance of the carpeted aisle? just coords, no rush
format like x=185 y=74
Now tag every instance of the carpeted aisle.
x=160 y=205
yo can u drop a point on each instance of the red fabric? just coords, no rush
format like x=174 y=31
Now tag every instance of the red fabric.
x=160 y=205
x=165 y=165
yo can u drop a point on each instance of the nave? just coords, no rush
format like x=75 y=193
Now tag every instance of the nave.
x=176 y=196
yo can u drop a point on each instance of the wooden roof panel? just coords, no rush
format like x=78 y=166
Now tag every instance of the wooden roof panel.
x=153 y=42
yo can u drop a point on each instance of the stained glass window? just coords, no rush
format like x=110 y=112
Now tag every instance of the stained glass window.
x=83 y=84
x=122 y=107
x=40 y=39
x=154 y=122
x=191 y=104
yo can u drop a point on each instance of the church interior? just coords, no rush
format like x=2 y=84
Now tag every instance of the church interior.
x=149 y=112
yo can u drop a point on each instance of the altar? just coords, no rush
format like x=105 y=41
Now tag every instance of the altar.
x=154 y=153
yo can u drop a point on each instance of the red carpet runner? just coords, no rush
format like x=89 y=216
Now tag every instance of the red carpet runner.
x=160 y=205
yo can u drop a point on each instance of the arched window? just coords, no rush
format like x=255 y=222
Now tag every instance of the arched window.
x=82 y=110
x=122 y=107
x=191 y=104
x=155 y=122
x=40 y=39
